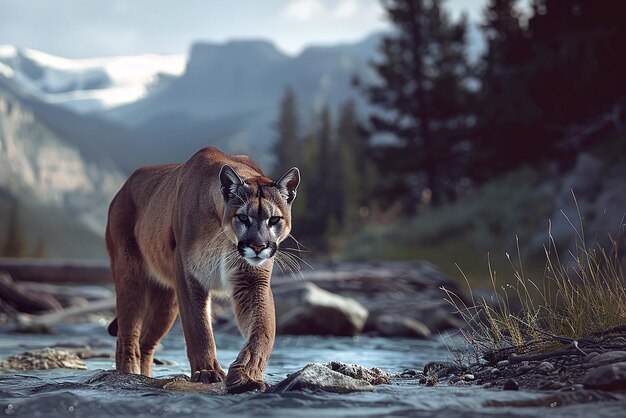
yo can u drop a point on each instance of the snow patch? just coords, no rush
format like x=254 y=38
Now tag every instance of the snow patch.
x=87 y=85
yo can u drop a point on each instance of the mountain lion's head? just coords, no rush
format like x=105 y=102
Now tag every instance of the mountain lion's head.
x=257 y=214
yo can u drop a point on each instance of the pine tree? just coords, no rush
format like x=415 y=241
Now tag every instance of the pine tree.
x=423 y=100
x=352 y=168
x=287 y=145
x=14 y=245
x=506 y=115
x=579 y=63
x=326 y=165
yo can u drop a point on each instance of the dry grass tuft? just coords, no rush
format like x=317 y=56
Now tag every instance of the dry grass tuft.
x=575 y=298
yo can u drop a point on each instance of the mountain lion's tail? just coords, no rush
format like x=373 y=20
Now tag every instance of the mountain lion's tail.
x=113 y=328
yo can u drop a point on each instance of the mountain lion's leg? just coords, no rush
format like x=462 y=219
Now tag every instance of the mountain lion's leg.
x=254 y=310
x=129 y=309
x=194 y=307
x=159 y=315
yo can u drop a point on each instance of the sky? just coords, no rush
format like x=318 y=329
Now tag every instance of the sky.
x=94 y=28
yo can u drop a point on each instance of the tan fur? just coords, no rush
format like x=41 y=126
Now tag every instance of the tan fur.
x=171 y=243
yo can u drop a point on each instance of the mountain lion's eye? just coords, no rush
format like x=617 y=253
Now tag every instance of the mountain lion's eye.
x=242 y=218
x=274 y=220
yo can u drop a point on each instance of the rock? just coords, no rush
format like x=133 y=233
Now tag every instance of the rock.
x=468 y=377
x=552 y=385
x=609 y=377
x=87 y=353
x=437 y=319
x=510 y=385
x=318 y=377
x=609 y=357
x=589 y=356
x=373 y=376
x=307 y=309
x=409 y=374
x=523 y=369
x=180 y=385
x=502 y=363
x=43 y=359
x=442 y=369
x=43 y=329
x=545 y=367
x=161 y=362
x=401 y=326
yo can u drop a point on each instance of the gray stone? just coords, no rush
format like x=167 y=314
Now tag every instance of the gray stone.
x=608 y=377
x=180 y=385
x=401 y=326
x=510 y=385
x=318 y=377
x=43 y=359
x=373 y=376
x=589 y=356
x=502 y=363
x=545 y=367
x=306 y=309
x=609 y=357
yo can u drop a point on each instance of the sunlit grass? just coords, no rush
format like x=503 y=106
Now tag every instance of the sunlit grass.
x=576 y=296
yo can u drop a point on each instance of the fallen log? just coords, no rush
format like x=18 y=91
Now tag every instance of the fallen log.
x=22 y=300
x=57 y=271
x=56 y=317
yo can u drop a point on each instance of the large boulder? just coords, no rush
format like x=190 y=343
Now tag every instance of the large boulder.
x=400 y=326
x=304 y=308
x=609 y=377
x=318 y=377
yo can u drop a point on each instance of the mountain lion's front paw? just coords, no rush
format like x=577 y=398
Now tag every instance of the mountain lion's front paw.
x=238 y=381
x=208 y=376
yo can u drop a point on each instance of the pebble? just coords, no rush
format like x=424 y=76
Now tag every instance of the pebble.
x=502 y=363
x=523 y=369
x=468 y=377
x=545 y=367
x=510 y=385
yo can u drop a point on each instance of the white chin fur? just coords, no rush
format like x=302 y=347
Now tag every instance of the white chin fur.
x=255 y=262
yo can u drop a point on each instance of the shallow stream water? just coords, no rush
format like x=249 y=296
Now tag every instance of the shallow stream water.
x=72 y=393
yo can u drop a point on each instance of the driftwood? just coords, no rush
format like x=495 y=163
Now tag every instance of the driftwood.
x=53 y=318
x=57 y=271
x=17 y=298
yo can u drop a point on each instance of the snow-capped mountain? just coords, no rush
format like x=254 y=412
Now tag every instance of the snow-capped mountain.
x=87 y=85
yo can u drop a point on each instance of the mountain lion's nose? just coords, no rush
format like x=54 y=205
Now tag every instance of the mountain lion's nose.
x=257 y=248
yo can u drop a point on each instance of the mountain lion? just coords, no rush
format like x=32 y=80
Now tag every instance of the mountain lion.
x=177 y=233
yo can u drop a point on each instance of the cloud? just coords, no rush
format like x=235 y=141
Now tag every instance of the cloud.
x=300 y=11
x=304 y=10
x=346 y=9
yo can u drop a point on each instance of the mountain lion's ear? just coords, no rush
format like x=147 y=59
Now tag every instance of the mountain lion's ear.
x=230 y=181
x=288 y=184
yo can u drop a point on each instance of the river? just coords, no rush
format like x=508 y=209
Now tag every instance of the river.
x=72 y=393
